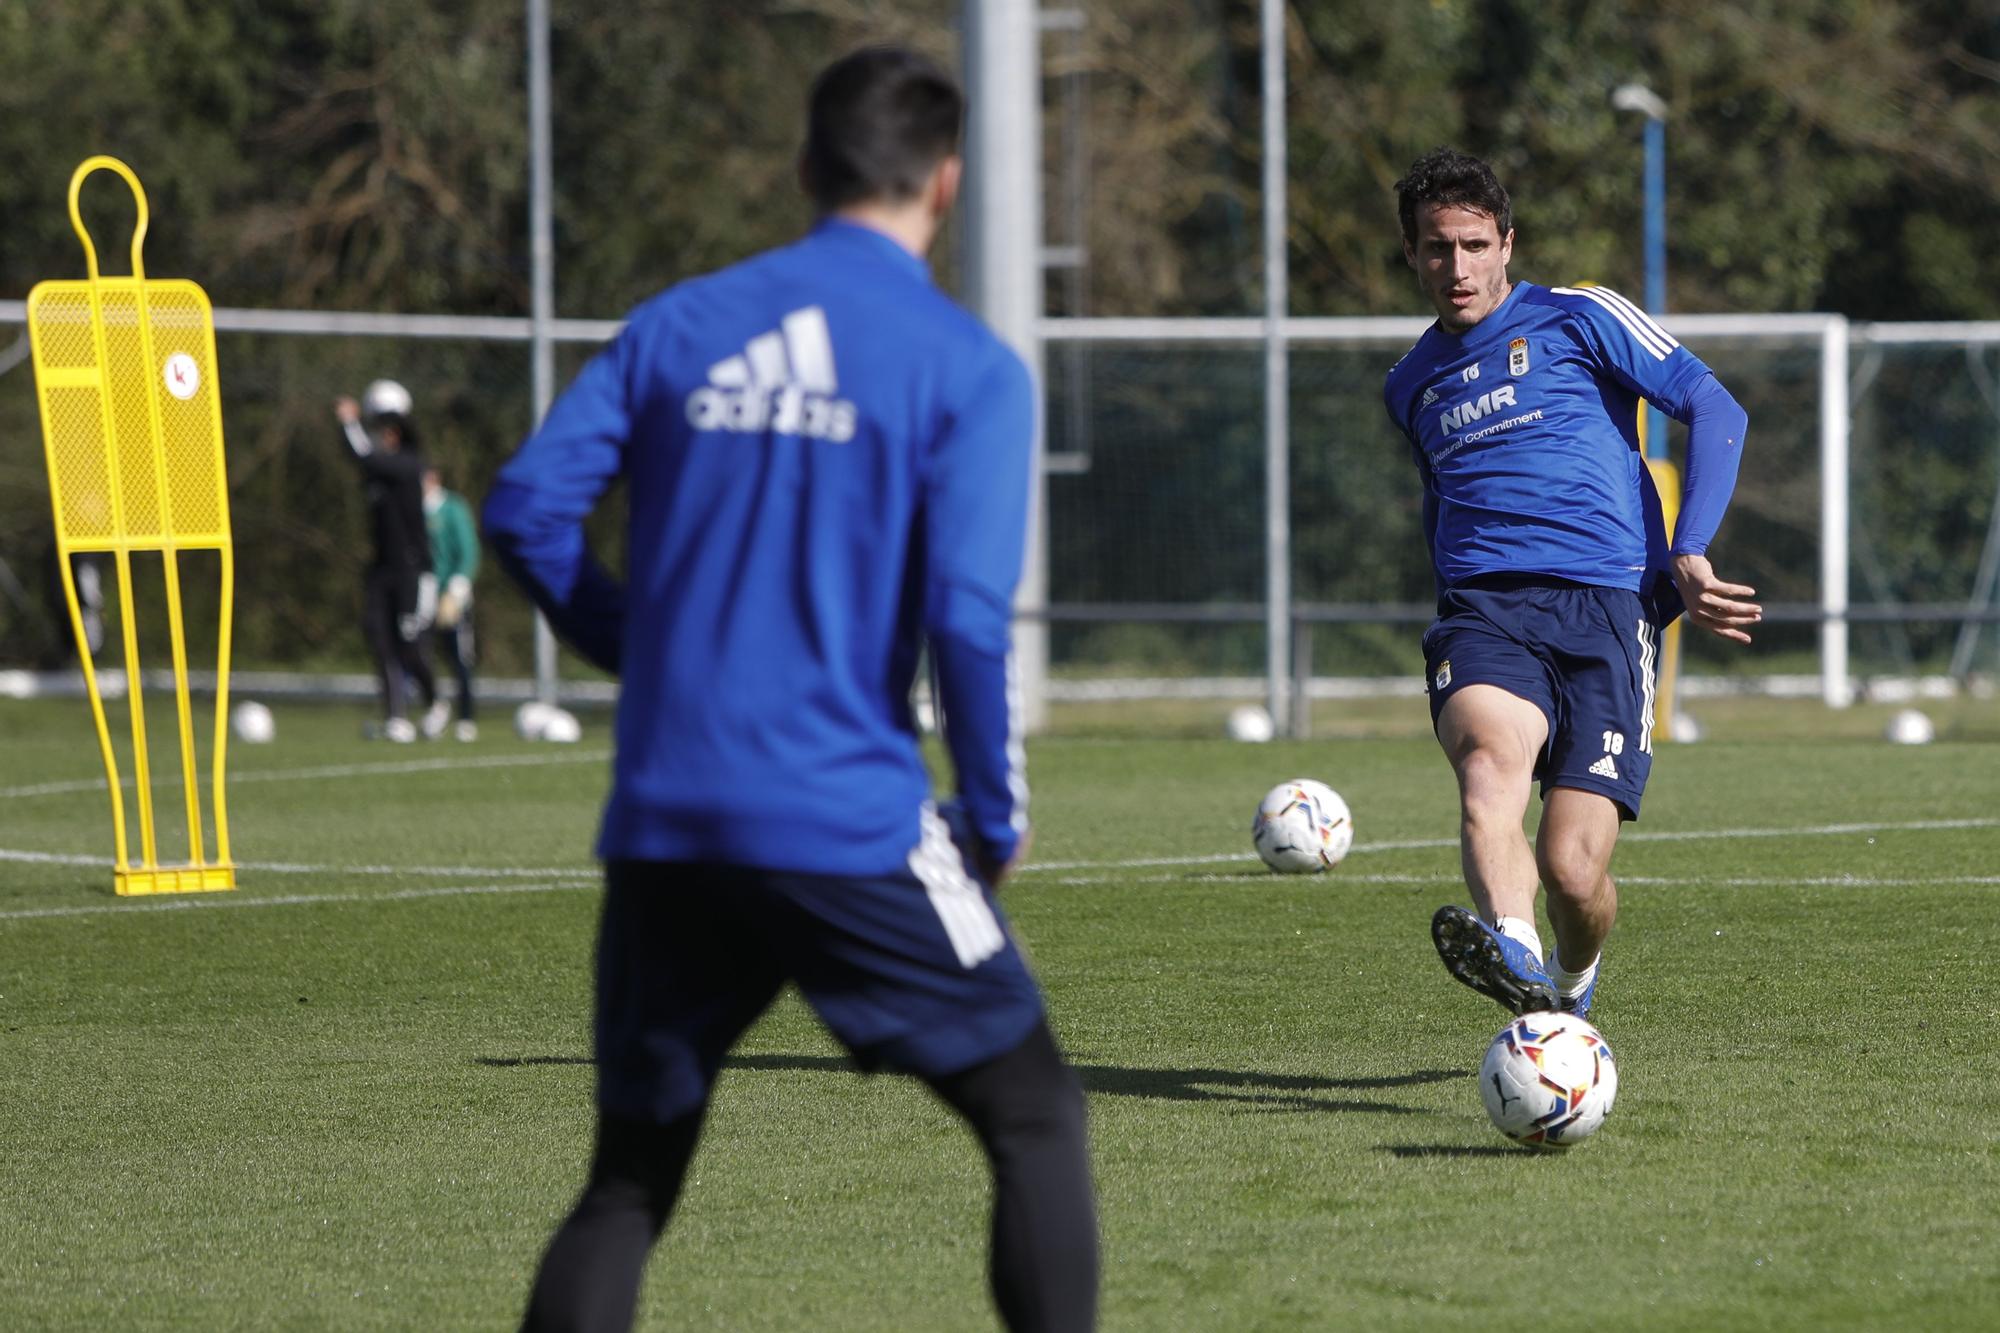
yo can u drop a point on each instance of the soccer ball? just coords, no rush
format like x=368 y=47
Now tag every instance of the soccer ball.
x=385 y=398
x=1251 y=723
x=537 y=721
x=561 y=727
x=531 y=719
x=1302 y=827
x=1910 y=727
x=1548 y=1080
x=252 y=722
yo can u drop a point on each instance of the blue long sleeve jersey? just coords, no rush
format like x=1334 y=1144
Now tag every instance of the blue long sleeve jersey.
x=827 y=461
x=1525 y=429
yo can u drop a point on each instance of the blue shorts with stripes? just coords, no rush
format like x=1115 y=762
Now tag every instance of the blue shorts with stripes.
x=1587 y=656
x=915 y=971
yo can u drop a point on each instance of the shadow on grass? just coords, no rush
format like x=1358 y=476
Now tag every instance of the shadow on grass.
x=1270 y=1092
x=1273 y=1092
x=1407 y=1151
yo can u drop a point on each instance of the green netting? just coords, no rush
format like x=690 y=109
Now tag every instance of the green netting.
x=1169 y=505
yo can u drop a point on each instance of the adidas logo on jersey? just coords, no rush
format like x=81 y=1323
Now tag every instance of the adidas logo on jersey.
x=783 y=383
x=1604 y=768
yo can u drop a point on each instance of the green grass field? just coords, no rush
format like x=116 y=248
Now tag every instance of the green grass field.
x=356 y=1094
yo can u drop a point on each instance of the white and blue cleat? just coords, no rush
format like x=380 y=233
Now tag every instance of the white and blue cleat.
x=1497 y=967
x=1580 y=1004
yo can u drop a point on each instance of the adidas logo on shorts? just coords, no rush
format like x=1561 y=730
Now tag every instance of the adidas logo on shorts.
x=782 y=383
x=1604 y=768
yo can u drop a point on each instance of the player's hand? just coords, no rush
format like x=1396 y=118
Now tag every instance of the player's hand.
x=1723 y=609
x=449 y=608
x=974 y=849
x=346 y=411
x=997 y=872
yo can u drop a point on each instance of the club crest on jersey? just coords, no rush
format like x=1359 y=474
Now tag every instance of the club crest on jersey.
x=1517 y=357
x=1443 y=678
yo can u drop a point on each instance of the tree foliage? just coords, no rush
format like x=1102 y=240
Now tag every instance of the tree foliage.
x=339 y=154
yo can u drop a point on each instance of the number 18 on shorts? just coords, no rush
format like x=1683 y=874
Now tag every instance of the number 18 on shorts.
x=1588 y=657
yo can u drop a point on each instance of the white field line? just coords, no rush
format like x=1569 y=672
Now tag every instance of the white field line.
x=1337 y=878
x=219 y=900
x=1039 y=867
x=586 y=877
x=1224 y=858
x=1814 y=881
x=205 y=900
x=53 y=858
x=1812 y=831
x=298 y=868
x=324 y=771
x=1422 y=844
x=427 y=872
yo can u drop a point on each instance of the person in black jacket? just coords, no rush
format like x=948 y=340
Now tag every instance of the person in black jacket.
x=399 y=594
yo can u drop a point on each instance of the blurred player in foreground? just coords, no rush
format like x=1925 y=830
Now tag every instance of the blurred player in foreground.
x=827 y=461
x=1555 y=576
x=399 y=594
x=454 y=564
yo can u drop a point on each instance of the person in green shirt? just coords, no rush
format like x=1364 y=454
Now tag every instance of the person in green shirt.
x=455 y=562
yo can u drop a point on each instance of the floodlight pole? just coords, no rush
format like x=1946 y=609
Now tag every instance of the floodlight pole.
x=1277 y=385
x=1001 y=43
x=541 y=248
x=1637 y=97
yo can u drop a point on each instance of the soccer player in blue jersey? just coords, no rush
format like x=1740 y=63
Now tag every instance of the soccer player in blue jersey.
x=1555 y=575
x=827 y=462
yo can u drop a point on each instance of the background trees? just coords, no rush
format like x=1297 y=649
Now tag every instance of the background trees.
x=1824 y=154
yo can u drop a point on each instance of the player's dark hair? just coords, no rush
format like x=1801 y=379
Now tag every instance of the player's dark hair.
x=1456 y=180
x=877 y=123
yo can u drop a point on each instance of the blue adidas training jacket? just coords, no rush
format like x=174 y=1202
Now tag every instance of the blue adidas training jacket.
x=827 y=461
x=1525 y=429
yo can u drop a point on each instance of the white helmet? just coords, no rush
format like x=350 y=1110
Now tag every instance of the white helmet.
x=386 y=398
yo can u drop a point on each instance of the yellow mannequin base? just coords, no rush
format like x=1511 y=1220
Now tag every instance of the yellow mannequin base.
x=176 y=879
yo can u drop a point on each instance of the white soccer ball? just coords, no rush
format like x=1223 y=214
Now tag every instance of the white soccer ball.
x=253 y=723
x=562 y=728
x=1302 y=827
x=1548 y=1080
x=1910 y=726
x=531 y=719
x=1252 y=723
x=384 y=398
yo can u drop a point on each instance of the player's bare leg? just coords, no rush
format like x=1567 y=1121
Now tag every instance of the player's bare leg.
x=1491 y=739
x=1573 y=850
